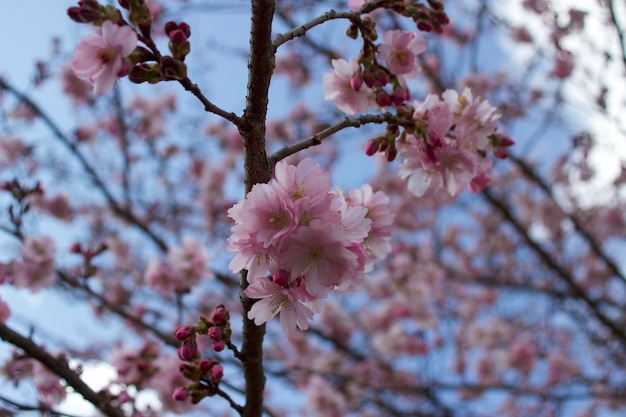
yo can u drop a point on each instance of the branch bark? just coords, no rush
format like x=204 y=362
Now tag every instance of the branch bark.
x=257 y=169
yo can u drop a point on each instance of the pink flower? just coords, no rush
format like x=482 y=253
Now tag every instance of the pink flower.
x=189 y=261
x=399 y=51
x=99 y=58
x=318 y=252
x=338 y=88
x=36 y=270
x=267 y=215
x=378 y=241
x=274 y=300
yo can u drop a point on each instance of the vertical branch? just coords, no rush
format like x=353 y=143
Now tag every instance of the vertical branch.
x=257 y=170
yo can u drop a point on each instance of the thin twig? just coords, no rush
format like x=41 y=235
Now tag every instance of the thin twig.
x=317 y=138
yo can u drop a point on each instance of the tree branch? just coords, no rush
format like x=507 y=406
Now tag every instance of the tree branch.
x=122 y=212
x=593 y=244
x=59 y=368
x=577 y=290
x=317 y=138
x=261 y=63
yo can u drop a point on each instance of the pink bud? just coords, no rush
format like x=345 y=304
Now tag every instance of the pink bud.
x=220 y=316
x=180 y=394
x=501 y=153
x=215 y=333
x=205 y=365
x=170 y=26
x=76 y=248
x=189 y=349
x=217 y=372
x=372 y=147
x=424 y=26
x=383 y=99
x=218 y=346
x=183 y=332
x=177 y=37
x=368 y=78
x=186 y=370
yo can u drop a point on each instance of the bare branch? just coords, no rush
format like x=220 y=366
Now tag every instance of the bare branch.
x=60 y=368
x=329 y=15
x=345 y=123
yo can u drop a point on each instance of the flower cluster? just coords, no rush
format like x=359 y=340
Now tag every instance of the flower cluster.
x=184 y=268
x=447 y=147
x=311 y=240
x=356 y=86
x=204 y=374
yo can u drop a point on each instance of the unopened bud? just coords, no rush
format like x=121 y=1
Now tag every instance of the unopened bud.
x=180 y=394
x=501 y=153
x=205 y=365
x=220 y=316
x=383 y=99
x=372 y=147
x=424 y=26
x=177 y=37
x=217 y=372
x=218 y=346
x=391 y=153
x=76 y=248
x=189 y=349
x=215 y=333
x=183 y=333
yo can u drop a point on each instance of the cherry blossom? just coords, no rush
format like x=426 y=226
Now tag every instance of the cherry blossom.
x=276 y=299
x=36 y=268
x=399 y=51
x=337 y=87
x=99 y=58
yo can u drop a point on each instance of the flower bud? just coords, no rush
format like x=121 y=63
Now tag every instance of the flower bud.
x=391 y=152
x=170 y=26
x=177 y=37
x=205 y=365
x=180 y=394
x=218 y=346
x=220 y=316
x=215 y=333
x=183 y=332
x=189 y=349
x=424 y=26
x=217 y=372
x=383 y=99
x=186 y=370
x=371 y=147
x=172 y=68
x=501 y=153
